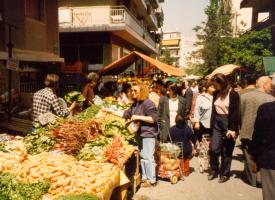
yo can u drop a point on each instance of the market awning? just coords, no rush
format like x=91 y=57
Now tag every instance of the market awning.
x=122 y=64
x=225 y=69
x=31 y=56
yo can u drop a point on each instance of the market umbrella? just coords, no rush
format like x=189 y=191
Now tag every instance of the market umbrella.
x=225 y=69
x=192 y=77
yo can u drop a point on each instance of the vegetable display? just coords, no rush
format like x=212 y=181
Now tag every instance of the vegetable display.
x=13 y=189
x=74 y=96
x=39 y=140
x=78 y=197
x=65 y=174
x=71 y=136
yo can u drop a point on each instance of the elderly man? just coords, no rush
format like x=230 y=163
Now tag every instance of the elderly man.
x=251 y=100
x=262 y=148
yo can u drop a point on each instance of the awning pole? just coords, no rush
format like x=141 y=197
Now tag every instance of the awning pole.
x=9 y=74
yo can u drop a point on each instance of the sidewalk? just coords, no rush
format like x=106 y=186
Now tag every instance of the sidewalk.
x=197 y=187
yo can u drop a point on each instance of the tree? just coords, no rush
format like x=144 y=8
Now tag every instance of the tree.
x=167 y=58
x=218 y=47
x=210 y=35
x=247 y=50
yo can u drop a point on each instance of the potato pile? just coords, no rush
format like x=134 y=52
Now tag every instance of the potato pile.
x=64 y=172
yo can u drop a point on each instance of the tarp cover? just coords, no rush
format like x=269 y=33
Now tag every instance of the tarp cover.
x=122 y=64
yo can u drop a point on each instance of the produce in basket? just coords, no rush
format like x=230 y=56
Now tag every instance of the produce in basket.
x=171 y=149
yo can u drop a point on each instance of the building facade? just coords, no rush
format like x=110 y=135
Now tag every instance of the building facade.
x=171 y=43
x=31 y=26
x=241 y=20
x=96 y=33
x=263 y=15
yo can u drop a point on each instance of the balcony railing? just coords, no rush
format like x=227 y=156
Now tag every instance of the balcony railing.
x=106 y=17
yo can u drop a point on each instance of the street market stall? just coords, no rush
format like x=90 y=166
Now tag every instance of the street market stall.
x=122 y=64
x=83 y=154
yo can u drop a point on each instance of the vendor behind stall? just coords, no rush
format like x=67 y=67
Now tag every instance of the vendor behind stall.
x=88 y=90
x=46 y=100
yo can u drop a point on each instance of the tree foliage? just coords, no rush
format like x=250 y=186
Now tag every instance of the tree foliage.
x=167 y=58
x=216 y=45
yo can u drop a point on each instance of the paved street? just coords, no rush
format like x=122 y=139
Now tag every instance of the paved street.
x=197 y=187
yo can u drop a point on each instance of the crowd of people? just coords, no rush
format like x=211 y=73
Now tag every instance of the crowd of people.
x=183 y=112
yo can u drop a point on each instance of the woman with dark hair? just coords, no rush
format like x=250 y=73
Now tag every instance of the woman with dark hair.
x=224 y=127
x=168 y=109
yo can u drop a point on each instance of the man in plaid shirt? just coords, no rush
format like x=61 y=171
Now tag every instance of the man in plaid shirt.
x=45 y=100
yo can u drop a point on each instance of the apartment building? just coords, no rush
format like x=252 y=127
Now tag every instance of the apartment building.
x=171 y=42
x=263 y=15
x=31 y=28
x=98 y=32
x=241 y=20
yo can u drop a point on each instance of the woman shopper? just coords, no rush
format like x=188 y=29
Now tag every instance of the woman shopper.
x=203 y=109
x=168 y=109
x=224 y=127
x=144 y=114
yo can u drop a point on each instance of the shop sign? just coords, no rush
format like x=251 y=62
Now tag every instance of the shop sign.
x=13 y=64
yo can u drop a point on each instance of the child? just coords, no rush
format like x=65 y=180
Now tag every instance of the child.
x=181 y=132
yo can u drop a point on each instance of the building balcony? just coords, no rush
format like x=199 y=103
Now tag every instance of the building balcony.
x=262 y=24
x=117 y=20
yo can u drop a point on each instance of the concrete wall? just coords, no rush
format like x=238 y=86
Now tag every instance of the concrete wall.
x=75 y=3
x=29 y=33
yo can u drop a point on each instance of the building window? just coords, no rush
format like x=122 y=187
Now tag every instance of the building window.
x=35 y=9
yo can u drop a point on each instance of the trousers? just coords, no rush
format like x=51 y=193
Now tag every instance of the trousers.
x=221 y=146
x=268 y=183
x=148 y=164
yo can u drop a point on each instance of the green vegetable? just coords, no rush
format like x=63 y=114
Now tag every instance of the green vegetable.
x=88 y=113
x=39 y=140
x=13 y=189
x=2 y=147
x=74 y=96
x=83 y=196
x=94 y=150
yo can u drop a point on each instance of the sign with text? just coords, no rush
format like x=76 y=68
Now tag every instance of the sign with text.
x=13 y=64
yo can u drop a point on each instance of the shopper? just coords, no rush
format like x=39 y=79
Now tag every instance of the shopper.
x=88 y=90
x=46 y=100
x=144 y=114
x=203 y=109
x=224 y=127
x=262 y=148
x=168 y=109
x=250 y=102
x=182 y=135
